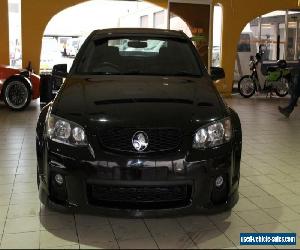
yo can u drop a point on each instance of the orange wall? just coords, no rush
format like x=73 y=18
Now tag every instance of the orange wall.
x=4 y=38
x=190 y=14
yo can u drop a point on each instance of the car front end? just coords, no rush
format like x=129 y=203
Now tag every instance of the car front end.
x=97 y=167
x=157 y=145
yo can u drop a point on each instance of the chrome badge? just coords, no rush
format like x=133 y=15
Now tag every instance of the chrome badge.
x=140 y=141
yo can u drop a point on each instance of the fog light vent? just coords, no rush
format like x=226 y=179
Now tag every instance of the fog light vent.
x=58 y=190
x=220 y=189
x=59 y=179
x=179 y=168
x=219 y=181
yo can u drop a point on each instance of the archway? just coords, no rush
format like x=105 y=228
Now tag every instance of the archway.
x=33 y=26
x=274 y=35
x=236 y=14
x=67 y=30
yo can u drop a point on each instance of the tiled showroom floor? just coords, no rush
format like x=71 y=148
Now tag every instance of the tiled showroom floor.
x=269 y=192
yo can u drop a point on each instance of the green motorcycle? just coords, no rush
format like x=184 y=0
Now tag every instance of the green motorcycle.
x=277 y=79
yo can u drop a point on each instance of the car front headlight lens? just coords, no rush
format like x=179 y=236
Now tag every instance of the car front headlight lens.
x=213 y=135
x=63 y=131
x=78 y=134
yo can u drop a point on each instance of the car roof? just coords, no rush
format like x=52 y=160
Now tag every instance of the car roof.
x=140 y=31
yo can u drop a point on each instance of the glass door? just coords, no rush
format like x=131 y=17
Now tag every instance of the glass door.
x=293 y=35
x=273 y=35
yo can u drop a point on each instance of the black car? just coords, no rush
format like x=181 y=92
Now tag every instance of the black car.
x=138 y=126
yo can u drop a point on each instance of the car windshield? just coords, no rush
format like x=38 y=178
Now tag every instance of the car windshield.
x=139 y=56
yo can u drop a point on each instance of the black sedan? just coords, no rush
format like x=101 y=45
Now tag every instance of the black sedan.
x=138 y=126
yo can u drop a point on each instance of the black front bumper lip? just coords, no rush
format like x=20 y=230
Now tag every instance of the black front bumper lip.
x=136 y=213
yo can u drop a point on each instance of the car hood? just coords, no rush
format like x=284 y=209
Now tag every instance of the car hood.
x=139 y=101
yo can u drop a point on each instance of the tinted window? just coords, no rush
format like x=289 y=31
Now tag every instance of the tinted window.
x=139 y=56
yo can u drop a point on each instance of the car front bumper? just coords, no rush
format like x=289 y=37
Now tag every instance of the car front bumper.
x=157 y=185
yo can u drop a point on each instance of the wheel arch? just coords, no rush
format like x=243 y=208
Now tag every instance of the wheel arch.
x=40 y=129
x=41 y=144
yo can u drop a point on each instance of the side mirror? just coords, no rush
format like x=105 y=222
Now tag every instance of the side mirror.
x=217 y=73
x=60 y=70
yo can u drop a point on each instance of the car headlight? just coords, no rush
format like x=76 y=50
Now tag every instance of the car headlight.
x=63 y=131
x=213 y=135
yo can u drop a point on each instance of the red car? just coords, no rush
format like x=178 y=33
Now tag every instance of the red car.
x=18 y=87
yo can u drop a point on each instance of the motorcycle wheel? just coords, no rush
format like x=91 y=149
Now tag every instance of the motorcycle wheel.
x=283 y=89
x=246 y=86
x=17 y=94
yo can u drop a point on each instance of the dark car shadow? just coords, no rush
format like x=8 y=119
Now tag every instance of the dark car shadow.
x=46 y=220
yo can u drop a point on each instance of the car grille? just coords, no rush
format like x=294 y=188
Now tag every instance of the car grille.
x=139 y=197
x=160 y=139
x=134 y=173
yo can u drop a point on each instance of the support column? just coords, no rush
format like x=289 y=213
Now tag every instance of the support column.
x=4 y=41
x=286 y=34
x=32 y=32
x=230 y=35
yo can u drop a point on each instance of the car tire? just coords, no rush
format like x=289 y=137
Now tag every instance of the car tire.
x=17 y=93
x=241 y=86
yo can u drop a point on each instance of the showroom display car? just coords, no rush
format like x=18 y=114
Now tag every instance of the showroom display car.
x=18 y=87
x=138 y=126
